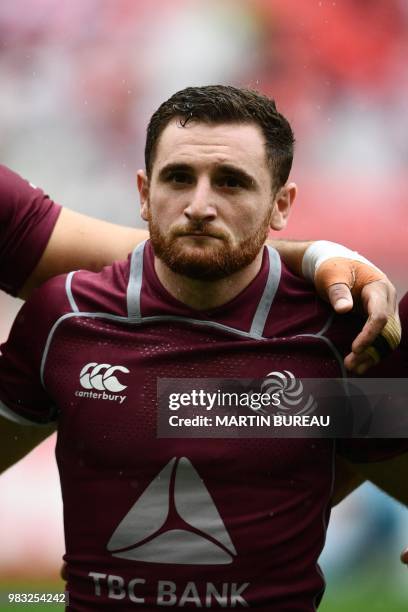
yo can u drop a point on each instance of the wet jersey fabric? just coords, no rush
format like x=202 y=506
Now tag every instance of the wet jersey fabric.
x=27 y=218
x=185 y=523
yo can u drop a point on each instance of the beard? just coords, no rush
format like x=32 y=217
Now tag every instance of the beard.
x=209 y=262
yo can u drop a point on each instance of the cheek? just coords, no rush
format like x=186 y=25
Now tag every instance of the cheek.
x=166 y=205
x=247 y=213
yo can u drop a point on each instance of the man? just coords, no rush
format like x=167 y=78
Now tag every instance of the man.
x=39 y=240
x=166 y=522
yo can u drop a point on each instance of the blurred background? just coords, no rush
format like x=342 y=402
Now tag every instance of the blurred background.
x=78 y=83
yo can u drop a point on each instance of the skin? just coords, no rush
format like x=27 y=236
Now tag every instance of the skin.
x=209 y=191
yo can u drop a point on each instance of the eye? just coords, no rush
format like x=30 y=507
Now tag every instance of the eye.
x=230 y=182
x=179 y=178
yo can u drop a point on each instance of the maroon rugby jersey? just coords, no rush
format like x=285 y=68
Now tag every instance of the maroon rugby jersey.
x=152 y=523
x=27 y=218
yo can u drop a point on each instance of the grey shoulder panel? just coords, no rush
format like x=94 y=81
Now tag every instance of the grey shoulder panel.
x=135 y=282
x=271 y=286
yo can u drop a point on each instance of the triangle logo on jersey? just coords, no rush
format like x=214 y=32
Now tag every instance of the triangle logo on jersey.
x=174 y=521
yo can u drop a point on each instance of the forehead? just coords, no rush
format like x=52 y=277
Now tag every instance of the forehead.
x=239 y=144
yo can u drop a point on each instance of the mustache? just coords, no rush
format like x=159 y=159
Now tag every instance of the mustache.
x=198 y=227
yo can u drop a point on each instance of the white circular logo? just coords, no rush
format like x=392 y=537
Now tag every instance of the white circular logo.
x=101 y=377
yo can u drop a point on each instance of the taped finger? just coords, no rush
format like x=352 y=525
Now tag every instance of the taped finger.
x=387 y=341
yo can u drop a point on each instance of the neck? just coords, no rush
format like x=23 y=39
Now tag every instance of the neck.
x=205 y=295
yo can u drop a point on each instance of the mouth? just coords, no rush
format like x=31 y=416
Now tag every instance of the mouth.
x=199 y=234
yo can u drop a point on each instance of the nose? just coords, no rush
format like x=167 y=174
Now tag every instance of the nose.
x=201 y=205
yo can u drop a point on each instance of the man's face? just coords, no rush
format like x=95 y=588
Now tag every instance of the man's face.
x=210 y=201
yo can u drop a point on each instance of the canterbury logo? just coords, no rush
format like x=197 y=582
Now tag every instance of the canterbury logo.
x=174 y=521
x=102 y=377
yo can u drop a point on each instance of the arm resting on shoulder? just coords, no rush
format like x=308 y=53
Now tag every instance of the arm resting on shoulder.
x=292 y=252
x=79 y=241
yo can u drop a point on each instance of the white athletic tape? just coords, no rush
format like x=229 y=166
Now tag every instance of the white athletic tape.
x=321 y=251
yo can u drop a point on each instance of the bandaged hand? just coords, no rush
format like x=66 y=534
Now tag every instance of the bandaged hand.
x=344 y=278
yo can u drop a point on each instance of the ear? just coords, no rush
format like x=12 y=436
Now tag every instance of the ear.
x=281 y=206
x=143 y=187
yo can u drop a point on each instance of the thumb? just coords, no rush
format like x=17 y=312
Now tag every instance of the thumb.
x=340 y=297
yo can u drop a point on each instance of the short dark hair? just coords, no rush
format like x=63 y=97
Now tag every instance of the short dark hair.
x=216 y=104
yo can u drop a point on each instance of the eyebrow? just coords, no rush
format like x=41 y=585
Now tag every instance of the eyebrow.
x=174 y=168
x=239 y=173
x=228 y=169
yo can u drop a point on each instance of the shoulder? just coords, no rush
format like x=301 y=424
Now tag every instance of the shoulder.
x=38 y=314
x=22 y=353
x=12 y=186
x=64 y=298
x=296 y=307
x=17 y=193
x=103 y=292
x=27 y=219
x=299 y=310
x=80 y=291
x=22 y=394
